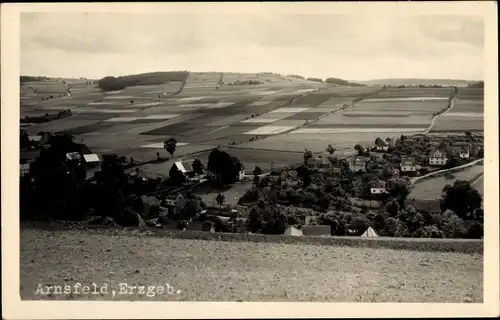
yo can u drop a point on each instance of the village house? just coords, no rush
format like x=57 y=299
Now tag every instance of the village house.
x=25 y=169
x=91 y=160
x=381 y=145
x=321 y=164
x=438 y=157
x=289 y=176
x=378 y=187
x=464 y=152
x=358 y=163
x=390 y=141
x=177 y=201
x=408 y=165
x=185 y=167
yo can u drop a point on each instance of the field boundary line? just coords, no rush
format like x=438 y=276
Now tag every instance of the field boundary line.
x=433 y=121
x=440 y=172
x=465 y=246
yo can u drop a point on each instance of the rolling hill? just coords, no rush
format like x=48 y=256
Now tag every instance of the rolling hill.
x=417 y=81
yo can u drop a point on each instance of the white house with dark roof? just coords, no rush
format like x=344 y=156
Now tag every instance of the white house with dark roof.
x=378 y=187
x=438 y=157
x=408 y=165
x=381 y=145
x=464 y=152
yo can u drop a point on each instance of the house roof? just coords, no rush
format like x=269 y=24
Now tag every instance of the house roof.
x=91 y=157
x=380 y=143
x=294 y=231
x=316 y=230
x=185 y=166
x=378 y=184
x=73 y=156
x=431 y=206
x=35 y=138
x=369 y=233
x=434 y=150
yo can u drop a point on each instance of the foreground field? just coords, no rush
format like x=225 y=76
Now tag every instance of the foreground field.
x=211 y=270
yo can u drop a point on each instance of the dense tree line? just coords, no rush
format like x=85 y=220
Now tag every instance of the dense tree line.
x=31 y=78
x=153 y=78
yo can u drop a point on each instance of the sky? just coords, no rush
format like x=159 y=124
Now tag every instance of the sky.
x=352 y=47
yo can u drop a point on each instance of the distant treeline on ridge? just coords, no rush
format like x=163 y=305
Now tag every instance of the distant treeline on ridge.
x=143 y=79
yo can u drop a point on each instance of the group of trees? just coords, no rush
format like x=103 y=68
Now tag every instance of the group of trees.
x=152 y=78
x=225 y=166
x=47 y=117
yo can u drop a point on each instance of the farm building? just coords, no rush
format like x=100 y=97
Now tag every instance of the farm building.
x=438 y=157
x=369 y=233
x=321 y=164
x=378 y=187
x=186 y=167
x=408 y=165
x=358 y=163
x=381 y=145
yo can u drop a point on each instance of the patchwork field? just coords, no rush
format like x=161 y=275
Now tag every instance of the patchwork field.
x=467 y=113
x=270 y=122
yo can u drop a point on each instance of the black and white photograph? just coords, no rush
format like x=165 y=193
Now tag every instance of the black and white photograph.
x=253 y=152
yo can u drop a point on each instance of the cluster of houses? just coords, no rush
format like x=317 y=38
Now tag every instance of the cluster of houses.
x=186 y=168
x=82 y=154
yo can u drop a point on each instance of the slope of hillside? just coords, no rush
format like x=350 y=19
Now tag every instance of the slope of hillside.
x=416 y=81
x=232 y=271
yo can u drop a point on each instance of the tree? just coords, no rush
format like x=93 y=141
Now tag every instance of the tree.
x=225 y=166
x=131 y=101
x=462 y=198
x=170 y=145
x=307 y=155
x=157 y=156
x=324 y=202
x=254 y=221
x=331 y=150
x=220 y=199
x=360 y=149
x=453 y=227
x=198 y=166
x=392 y=207
x=257 y=171
x=400 y=190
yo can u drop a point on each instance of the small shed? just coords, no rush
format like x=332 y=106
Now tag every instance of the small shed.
x=293 y=231
x=369 y=233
